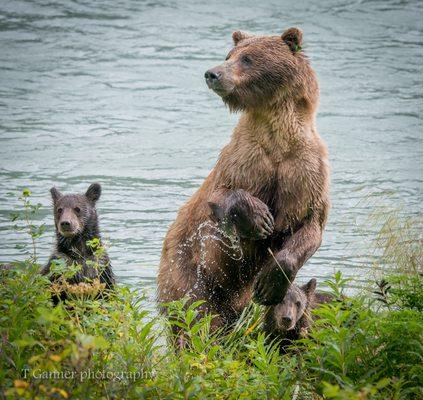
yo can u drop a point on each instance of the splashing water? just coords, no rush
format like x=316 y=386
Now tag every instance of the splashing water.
x=228 y=242
x=219 y=237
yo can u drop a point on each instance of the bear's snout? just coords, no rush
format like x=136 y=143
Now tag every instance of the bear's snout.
x=287 y=322
x=219 y=79
x=65 y=225
x=212 y=77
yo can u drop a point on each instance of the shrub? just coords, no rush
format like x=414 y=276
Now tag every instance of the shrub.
x=366 y=346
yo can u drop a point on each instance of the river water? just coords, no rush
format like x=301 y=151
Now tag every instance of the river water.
x=113 y=91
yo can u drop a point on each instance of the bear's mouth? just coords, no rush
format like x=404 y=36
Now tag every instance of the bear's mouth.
x=219 y=87
x=219 y=90
x=219 y=81
x=286 y=326
x=67 y=233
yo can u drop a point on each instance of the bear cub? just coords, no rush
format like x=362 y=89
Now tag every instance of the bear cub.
x=76 y=223
x=290 y=319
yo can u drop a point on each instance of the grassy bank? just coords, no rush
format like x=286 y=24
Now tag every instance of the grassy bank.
x=369 y=346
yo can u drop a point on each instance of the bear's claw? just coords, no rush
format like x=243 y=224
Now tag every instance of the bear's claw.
x=251 y=216
x=272 y=284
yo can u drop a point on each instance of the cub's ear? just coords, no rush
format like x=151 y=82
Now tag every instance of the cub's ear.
x=217 y=211
x=293 y=37
x=237 y=36
x=310 y=287
x=55 y=194
x=94 y=192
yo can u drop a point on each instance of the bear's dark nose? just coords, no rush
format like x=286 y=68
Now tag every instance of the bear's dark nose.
x=212 y=76
x=287 y=320
x=65 y=224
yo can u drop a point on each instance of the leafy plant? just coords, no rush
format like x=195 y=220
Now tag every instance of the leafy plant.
x=26 y=216
x=366 y=346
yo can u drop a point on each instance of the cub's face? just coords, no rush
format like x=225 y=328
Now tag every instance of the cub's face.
x=256 y=68
x=72 y=211
x=295 y=303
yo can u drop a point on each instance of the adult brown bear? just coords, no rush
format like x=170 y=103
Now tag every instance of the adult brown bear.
x=271 y=183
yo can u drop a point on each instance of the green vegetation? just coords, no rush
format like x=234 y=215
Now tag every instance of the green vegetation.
x=369 y=346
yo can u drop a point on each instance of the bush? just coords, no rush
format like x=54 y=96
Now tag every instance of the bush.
x=362 y=347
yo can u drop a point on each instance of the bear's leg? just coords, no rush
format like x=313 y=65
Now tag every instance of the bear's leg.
x=250 y=216
x=218 y=323
x=273 y=280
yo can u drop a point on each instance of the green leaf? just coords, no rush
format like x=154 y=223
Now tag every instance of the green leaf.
x=329 y=390
x=26 y=192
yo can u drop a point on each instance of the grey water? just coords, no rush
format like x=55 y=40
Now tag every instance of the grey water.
x=113 y=91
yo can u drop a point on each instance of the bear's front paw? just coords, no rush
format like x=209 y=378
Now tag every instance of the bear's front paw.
x=273 y=281
x=252 y=217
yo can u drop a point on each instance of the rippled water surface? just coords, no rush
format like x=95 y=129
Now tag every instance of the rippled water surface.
x=113 y=91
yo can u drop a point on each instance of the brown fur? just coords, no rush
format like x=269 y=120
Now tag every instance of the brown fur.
x=279 y=161
x=291 y=319
x=76 y=222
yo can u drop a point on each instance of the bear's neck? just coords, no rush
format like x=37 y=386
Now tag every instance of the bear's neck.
x=285 y=124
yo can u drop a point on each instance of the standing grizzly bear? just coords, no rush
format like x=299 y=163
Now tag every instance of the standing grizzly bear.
x=76 y=223
x=270 y=184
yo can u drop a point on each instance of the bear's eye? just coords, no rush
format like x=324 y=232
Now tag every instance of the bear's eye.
x=59 y=210
x=77 y=210
x=298 y=304
x=247 y=60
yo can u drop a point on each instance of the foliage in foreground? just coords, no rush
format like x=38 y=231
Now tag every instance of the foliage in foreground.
x=362 y=347
x=115 y=349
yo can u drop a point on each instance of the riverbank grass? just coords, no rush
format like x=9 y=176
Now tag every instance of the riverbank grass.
x=366 y=346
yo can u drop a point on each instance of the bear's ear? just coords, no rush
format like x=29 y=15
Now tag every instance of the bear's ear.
x=217 y=211
x=310 y=287
x=55 y=194
x=237 y=36
x=293 y=37
x=93 y=192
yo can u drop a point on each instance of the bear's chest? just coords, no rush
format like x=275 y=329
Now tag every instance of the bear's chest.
x=284 y=181
x=293 y=194
x=251 y=169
